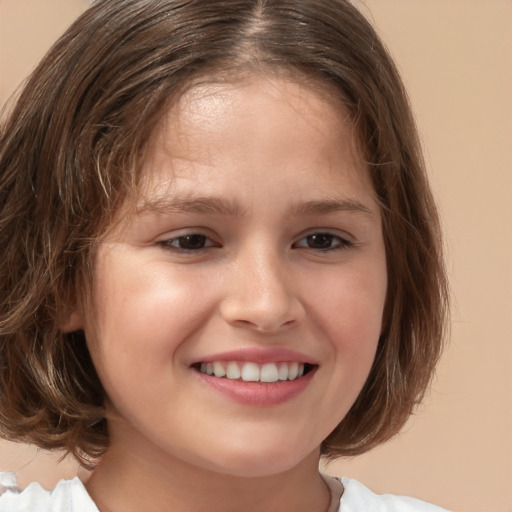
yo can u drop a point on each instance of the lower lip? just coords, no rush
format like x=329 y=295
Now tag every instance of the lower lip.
x=258 y=393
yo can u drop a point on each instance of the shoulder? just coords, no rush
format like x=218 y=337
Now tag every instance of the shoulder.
x=358 y=498
x=68 y=496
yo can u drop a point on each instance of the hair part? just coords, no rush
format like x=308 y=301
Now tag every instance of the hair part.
x=71 y=154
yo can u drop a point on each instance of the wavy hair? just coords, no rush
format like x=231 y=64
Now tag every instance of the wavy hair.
x=71 y=153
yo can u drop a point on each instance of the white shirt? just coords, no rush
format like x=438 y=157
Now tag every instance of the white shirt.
x=71 y=496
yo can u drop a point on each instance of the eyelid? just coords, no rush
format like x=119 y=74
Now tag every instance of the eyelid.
x=168 y=242
x=345 y=240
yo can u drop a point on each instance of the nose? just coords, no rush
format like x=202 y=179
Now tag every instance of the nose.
x=260 y=295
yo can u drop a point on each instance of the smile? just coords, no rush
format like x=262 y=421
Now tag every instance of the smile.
x=254 y=372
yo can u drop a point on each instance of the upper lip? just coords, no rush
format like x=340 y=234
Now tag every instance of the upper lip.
x=259 y=355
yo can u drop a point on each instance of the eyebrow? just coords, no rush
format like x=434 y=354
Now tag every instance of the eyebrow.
x=324 y=207
x=196 y=205
x=221 y=206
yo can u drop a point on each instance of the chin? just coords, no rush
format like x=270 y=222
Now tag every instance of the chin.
x=263 y=462
x=256 y=469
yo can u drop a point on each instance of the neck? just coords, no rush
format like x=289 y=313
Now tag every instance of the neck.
x=142 y=478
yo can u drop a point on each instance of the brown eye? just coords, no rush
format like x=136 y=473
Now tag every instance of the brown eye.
x=192 y=242
x=322 y=242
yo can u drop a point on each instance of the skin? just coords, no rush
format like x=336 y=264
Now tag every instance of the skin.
x=263 y=164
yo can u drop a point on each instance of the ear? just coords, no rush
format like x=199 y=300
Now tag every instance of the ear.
x=74 y=322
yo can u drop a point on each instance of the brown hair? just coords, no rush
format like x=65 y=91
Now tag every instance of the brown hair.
x=70 y=155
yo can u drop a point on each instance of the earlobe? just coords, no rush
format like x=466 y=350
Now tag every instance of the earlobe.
x=74 y=322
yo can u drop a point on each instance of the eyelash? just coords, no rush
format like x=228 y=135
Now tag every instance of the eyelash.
x=172 y=243
x=342 y=243
x=198 y=238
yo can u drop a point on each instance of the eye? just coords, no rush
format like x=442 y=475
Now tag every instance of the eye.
x=189 y=242
x=323 y=242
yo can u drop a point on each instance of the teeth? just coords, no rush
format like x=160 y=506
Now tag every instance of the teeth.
x=283 y=372
x=253 y=372
x=250 y=372
x=269 y=373
x=293 y=371
x=218 y=369
x=232 y=371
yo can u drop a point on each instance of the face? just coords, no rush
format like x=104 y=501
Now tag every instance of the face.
x=236 y=310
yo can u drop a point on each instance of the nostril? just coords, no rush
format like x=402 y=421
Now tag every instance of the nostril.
x=263 y=313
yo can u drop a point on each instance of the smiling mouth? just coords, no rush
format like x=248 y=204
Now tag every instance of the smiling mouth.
x=254 y=372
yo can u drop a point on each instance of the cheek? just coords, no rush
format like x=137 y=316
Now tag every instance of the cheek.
x=349 y=313
x=351 y=300
x=131 y=295
x=141 y=314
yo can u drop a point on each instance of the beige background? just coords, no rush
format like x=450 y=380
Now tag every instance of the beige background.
x=456 y=58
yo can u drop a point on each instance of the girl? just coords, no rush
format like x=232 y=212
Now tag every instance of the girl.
x=221 y=258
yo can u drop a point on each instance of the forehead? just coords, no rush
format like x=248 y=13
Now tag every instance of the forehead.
x=260 y=120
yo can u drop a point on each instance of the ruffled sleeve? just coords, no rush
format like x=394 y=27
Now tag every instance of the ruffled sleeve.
x=8 y=482
x=68 y=496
